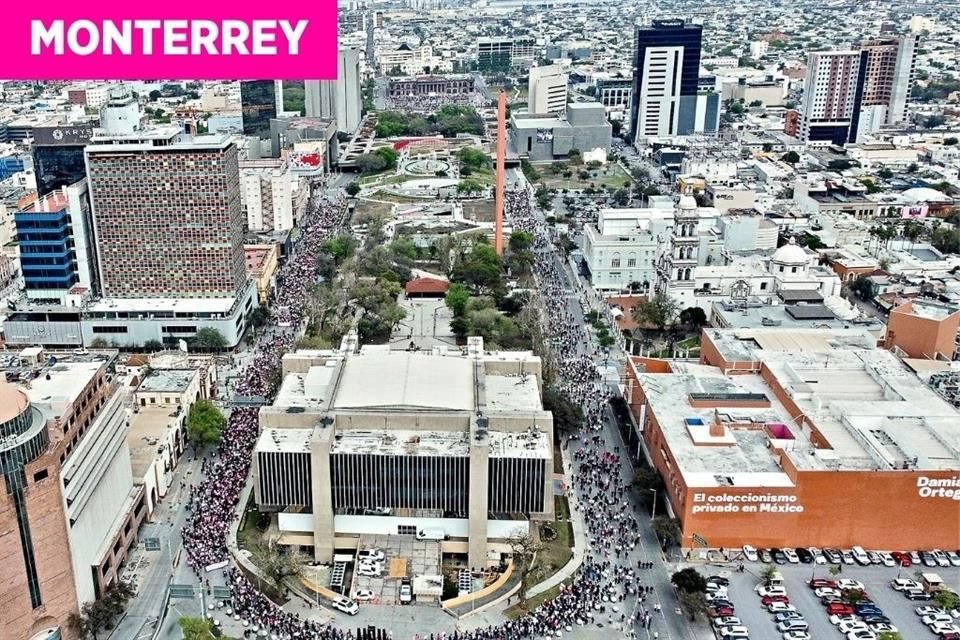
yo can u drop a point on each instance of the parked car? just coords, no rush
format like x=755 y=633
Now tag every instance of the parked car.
x=816 y=583
x=902 y=558
x=839 y=609
x=856 y=625
x=727 y=632
x=787 y=615
x=942 y=559
x=804 y=555
x=818 y=557
x=779 y=556
x=720 y=580
x=768 y=600
x=791 y=555
x=954 y=558
x=928 y=559
x=862 y=634
x=847 y=583
x=886 y=559
x=917 y=594
x=822 y=592
x=750 y=553
x=929 y=611
x=346 y=606
x=765 y=556
x=727 y=621
x=771 y=591
x=373 y=555
x=833 y=556
x=781 y=607
x=847 y=556
x=721 y=611
x=793 y=625
x=406 y=592
x=915 y=557
x=904 y=584
x=934 y=618
x=860 y=556
x=364 y=595
x=835 y=620
x=796 y=635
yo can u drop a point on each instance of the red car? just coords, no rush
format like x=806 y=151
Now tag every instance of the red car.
x=902 y=558
x=839 y=609
x=768 y=600
x=817 y=583
x=720 y=612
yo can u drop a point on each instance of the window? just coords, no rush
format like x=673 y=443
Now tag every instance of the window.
x=40 y=475
x=406 y=530
x=763 y=286
x=631 y=262
x=615 y=263
x=793 y=269
x=109 y=329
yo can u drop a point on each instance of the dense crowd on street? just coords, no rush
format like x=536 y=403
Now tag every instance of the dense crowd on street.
x=606 y=591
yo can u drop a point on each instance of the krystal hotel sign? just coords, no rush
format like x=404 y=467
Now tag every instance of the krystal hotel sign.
x=217 y=39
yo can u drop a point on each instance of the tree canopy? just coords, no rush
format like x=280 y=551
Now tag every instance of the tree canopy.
x=196 y=628
x=209 y=338
x=689 y=580
x=205 y=422
x=660 y=311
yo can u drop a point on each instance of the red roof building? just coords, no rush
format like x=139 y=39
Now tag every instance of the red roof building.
x=426 y=288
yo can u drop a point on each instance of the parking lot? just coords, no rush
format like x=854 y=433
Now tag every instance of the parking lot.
x=876 y=580
x=404 y=557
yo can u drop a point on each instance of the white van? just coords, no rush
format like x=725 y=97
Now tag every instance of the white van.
x=431 y=534
x=860 y=555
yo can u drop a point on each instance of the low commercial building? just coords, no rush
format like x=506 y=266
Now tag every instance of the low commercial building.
x=543 y=139
x=796 y=438
x=262 y=262
x=923 y=329
x=394 y=442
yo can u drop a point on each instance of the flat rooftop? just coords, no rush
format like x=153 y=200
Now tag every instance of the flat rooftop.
x=147 y=429
x=749 y=343
x=404 y=379
x=284 y=441
x=932 y=311
x=62 y=383
x=167 y=380
x=757 y=315
x=873 y=412
x=147 y=305
x=512 y=393
x=402 y=443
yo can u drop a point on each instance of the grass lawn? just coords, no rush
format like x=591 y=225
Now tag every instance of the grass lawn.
x=689 y=343
x=388 y=176
x=556 y=553
x=248 y=535
x=612 y=175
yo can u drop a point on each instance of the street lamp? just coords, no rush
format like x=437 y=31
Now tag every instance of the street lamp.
x=653 y=511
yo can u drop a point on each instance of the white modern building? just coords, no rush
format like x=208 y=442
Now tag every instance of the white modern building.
x=339 y=99
x=445 y=441
x=547 y=92
x=266 y=194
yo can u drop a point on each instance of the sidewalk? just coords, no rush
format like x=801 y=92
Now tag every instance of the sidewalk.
x=579 y=536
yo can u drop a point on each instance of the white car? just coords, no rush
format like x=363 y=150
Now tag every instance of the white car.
x=882 y=627
x=717 y=595
x=846 y=583
x=817 y=555
x=792 y=556
x=943 y=628
x=750 y=553
x=371 y=570
x=856 y=625
x=771 y=591
x=954 y=558
x=835 y=619
x=942 y=559
x=862 y=635
x=847 y=556
x=887 y=559
x=927 y=610
x=347 y=606
x=738 y=630
x=780 y=607
x=941 y=618
x=370 y=555
x=827 y=591
x=727 y=621
x=903 y=584
x=796 y=635
x=364 y=595
x=793 y=625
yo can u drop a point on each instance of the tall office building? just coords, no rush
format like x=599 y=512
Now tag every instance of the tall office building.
x=260 y=100
x=320 y=99
x=69 y=511
x=349 y=104
x=547 y=91
x=888 y=74
x=832 y=95
x=58 y=156
x=494 y=54
x=166 y=211
x=666 y=69
x=57 y=254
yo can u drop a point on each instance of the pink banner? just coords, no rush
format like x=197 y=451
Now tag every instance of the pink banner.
x=211 y=40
